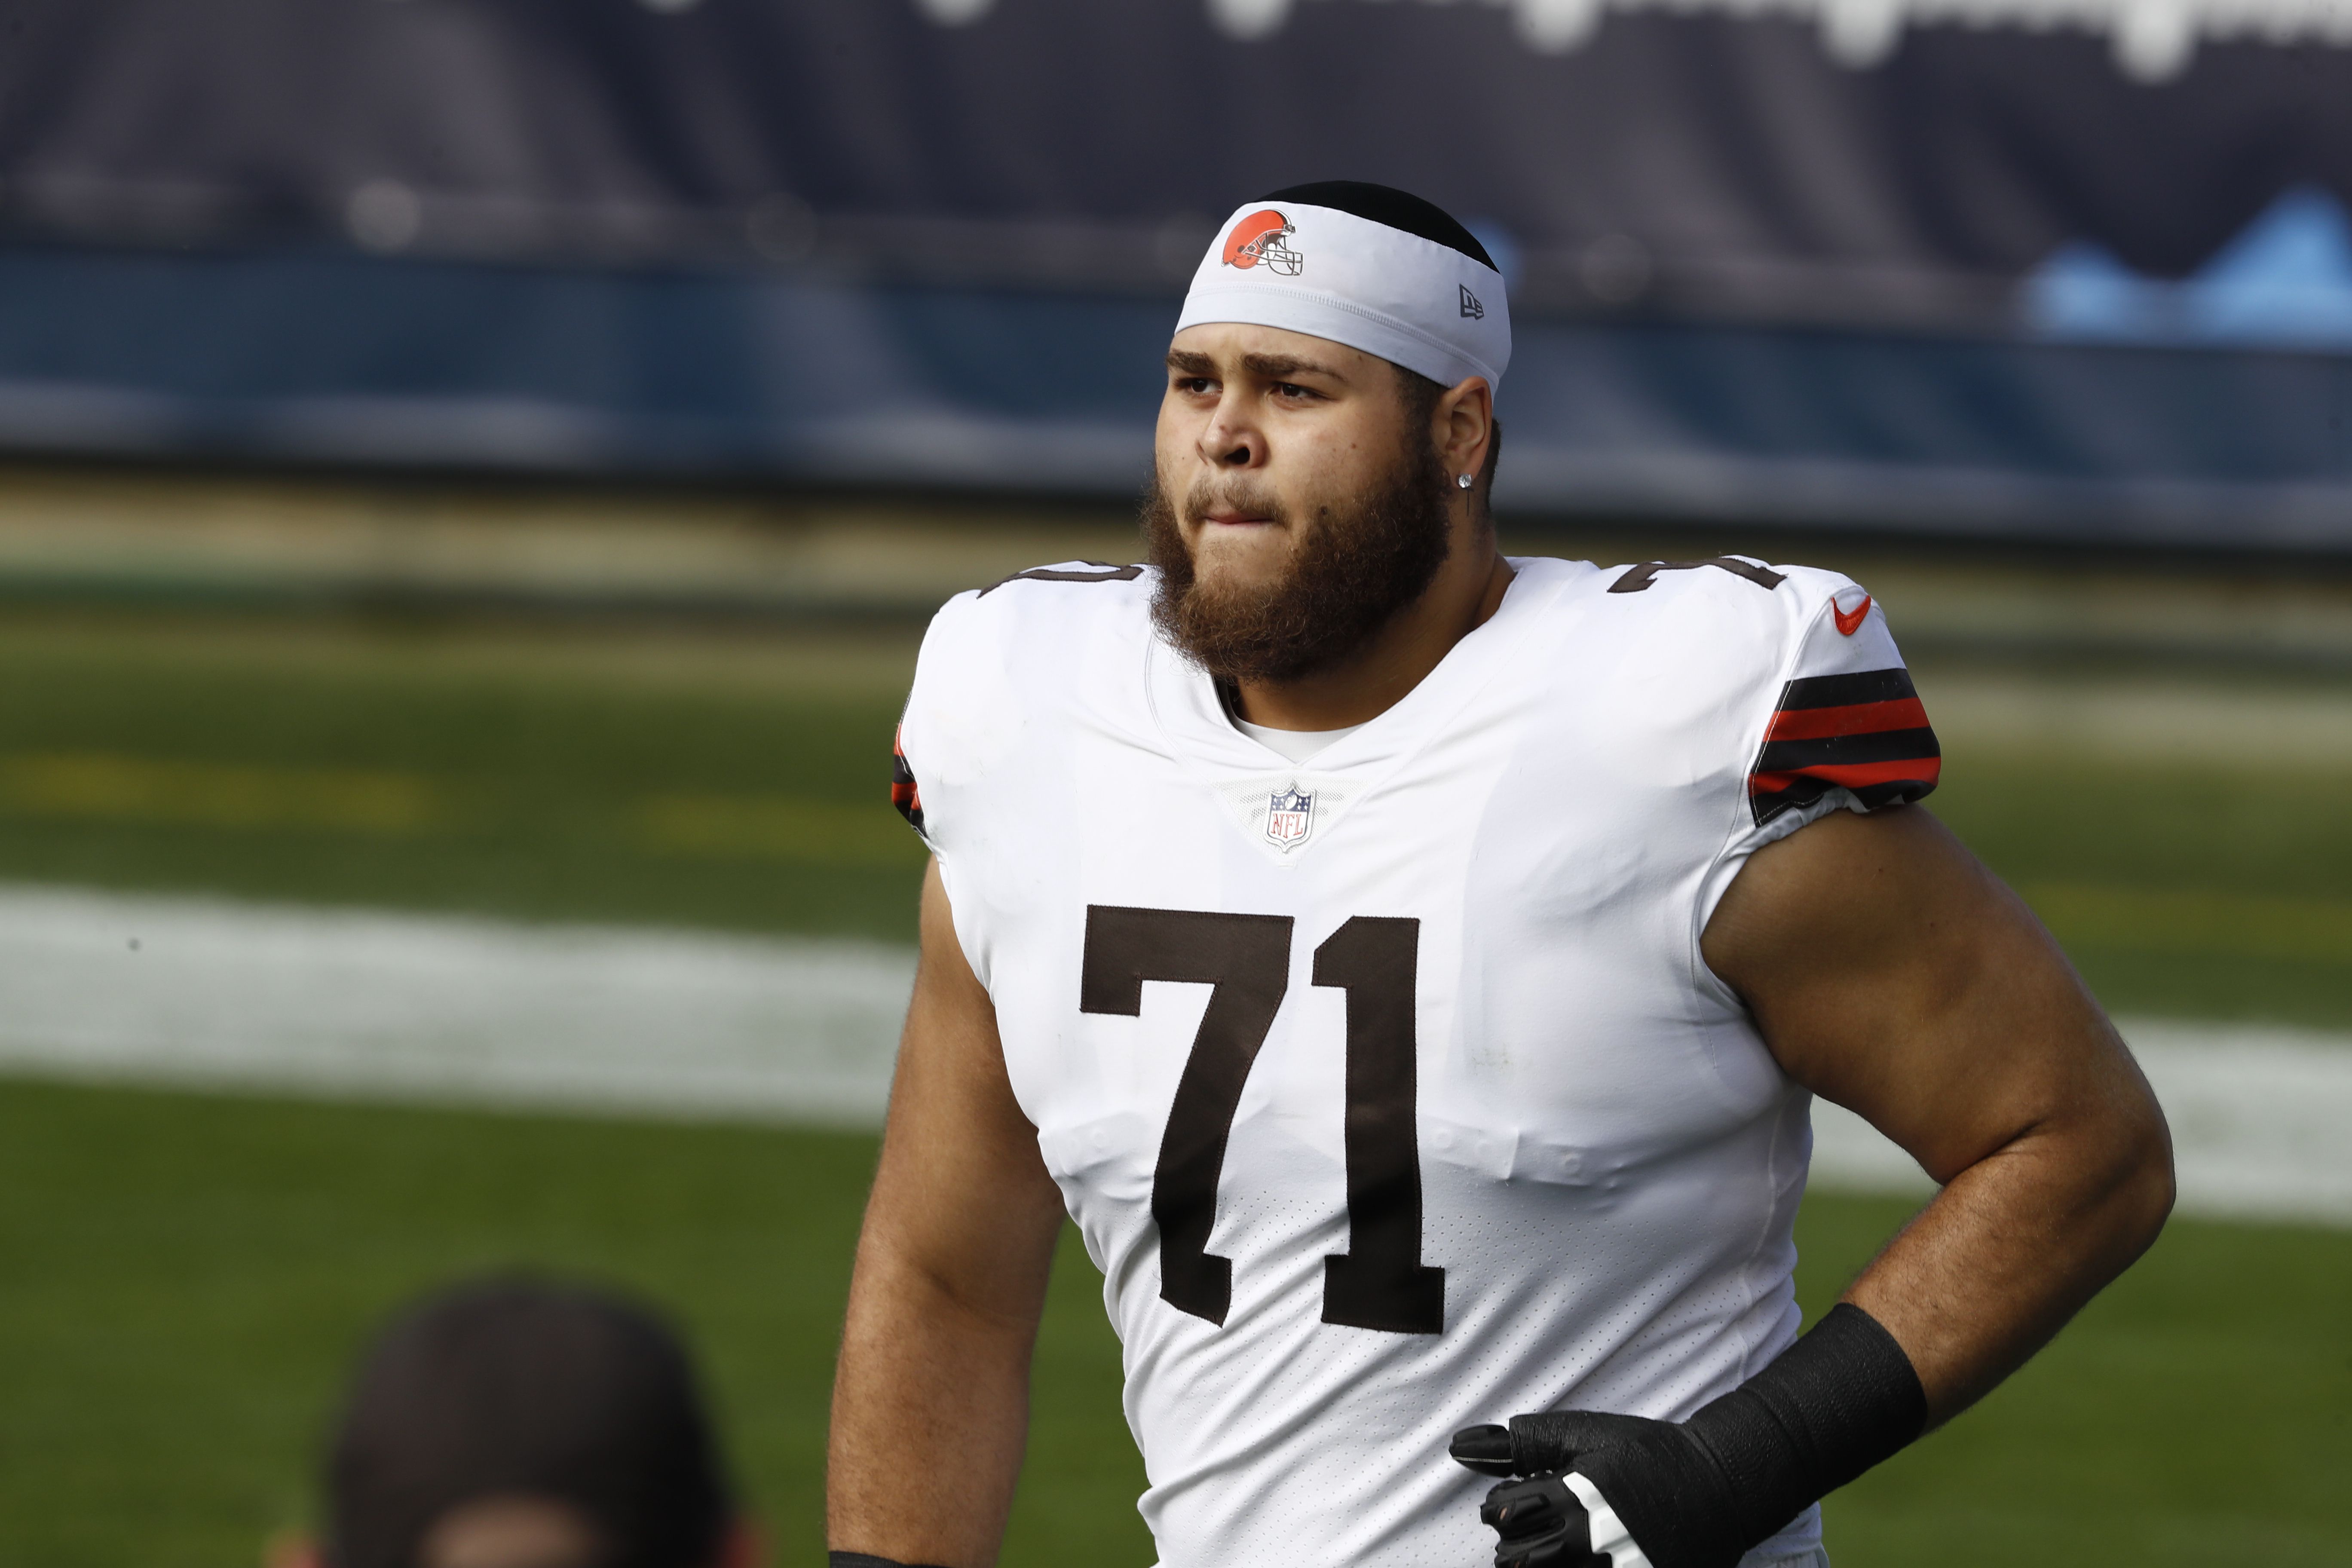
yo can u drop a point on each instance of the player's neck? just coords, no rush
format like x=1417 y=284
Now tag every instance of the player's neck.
x=1467 y=590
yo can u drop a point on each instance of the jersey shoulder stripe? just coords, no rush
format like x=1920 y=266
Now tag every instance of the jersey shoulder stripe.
x=905 y=793
x=1863 y=731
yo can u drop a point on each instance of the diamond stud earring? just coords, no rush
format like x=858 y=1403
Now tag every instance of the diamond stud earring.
x=1464 y=482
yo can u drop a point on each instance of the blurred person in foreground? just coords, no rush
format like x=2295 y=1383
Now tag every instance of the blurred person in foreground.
x=515 y=1423
x=1505 y=915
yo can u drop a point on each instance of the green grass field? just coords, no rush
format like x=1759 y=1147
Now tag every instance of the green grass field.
x=188 y=1277
x=719 y=783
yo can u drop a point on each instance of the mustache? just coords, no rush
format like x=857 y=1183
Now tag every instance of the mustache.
x=1207 y=496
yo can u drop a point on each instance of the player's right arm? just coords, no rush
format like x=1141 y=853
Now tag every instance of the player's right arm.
x=931 y=1401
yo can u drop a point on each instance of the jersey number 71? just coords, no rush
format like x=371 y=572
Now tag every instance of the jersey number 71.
x=1379 y=1282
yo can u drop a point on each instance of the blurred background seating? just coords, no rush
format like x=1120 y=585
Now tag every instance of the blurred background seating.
x=1983 y=266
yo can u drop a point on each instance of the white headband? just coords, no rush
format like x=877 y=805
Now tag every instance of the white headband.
x=1330 y=274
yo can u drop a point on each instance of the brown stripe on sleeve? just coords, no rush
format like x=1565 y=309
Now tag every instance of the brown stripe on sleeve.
x=905 y=793
x=1862 y=732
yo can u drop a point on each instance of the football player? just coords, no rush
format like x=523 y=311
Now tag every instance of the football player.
x=1411 y=968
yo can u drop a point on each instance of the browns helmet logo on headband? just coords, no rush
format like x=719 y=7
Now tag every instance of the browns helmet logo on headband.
x=1259 y=238
x=1394 y=277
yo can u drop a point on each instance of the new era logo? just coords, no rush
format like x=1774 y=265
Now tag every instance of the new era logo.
x=1470 y=306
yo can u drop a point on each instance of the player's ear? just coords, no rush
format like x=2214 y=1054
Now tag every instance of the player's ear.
x=1463 y=417
x=291 y=1549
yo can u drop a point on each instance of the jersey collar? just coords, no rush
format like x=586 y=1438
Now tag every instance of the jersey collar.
x=1184 y=700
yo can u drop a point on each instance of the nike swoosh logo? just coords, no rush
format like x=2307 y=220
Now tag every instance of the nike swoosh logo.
x=1849 y=625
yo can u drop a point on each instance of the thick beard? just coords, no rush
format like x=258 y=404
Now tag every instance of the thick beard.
x=1350 y=574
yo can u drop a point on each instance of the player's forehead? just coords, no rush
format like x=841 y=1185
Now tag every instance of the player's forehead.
x=1226 y=348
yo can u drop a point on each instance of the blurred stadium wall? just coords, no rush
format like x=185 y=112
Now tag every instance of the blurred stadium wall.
x=2058 y=268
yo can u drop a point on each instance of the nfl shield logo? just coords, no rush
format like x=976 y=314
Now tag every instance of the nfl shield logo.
x=1289 y=816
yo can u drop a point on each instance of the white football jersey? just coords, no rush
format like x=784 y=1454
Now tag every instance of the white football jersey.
x=1389 y=1090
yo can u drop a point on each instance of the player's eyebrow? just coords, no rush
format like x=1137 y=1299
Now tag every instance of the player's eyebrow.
x=1283 y=367
x=1185 y=362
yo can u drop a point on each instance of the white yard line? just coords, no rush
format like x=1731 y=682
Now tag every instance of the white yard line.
x=98 y=986
x=113 y=987
x=2261 y=1122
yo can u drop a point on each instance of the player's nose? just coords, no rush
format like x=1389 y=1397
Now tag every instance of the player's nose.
x=1230 y=440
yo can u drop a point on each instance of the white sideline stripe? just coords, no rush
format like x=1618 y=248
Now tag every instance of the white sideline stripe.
x=2261 y=1122
x=365 y=1004
x=371 y=1005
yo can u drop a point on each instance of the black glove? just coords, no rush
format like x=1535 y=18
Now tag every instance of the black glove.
x=1672 y=1494
x=1542 y=1523
x=1699 y=1493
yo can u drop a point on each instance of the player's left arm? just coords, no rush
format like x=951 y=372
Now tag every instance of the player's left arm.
x=1891 y=974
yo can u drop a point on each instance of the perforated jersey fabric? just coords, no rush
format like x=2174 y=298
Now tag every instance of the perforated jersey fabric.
x=1392 y=1094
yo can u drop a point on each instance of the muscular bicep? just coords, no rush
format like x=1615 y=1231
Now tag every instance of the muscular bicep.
x=1890 y=973
x=962 y=1196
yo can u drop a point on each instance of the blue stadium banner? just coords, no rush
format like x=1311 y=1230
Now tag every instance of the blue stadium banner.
x=1988 y=263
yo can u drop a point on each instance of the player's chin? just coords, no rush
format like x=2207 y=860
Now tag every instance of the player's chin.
x=1240 y=557
x=1220 y=594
